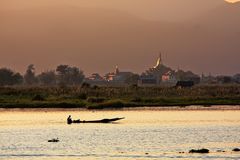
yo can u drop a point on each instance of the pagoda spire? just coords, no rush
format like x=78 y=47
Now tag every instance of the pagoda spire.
x=159 y=61
x=116 y=70
x=160 y=57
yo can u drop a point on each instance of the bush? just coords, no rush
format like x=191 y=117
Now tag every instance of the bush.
x=136 y=99
x=95 y=87
x=109 y=104
x=82 y=96
x=38 y=98
x=85 y=85
x=113 y=104
x=95 y=100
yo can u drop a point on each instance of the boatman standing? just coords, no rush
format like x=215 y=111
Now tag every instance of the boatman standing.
x=69 y=120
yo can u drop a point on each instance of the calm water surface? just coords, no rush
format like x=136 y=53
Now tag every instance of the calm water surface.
x=144 y=134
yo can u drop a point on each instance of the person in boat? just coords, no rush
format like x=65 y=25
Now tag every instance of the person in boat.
x=69 y=119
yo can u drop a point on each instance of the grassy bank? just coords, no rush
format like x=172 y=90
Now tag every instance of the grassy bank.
x=117 y=97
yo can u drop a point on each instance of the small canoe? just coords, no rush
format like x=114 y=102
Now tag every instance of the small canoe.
x=53 y=140
x=97 y=121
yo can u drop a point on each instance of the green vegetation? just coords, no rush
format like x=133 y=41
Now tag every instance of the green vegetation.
x=117 y=97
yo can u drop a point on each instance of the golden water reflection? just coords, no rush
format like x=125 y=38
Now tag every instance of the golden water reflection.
x=143 y=134
x=132 y=117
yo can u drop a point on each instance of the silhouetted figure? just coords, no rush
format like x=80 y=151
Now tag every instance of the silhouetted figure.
x=69 y=120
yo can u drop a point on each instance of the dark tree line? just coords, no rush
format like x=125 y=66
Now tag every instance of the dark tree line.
x=9 y=77
x=64 y=75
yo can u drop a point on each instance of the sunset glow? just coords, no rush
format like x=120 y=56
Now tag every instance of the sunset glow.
x=119 y=79
x=232 y=1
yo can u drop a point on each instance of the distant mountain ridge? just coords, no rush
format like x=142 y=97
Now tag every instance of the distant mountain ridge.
x=98 y=39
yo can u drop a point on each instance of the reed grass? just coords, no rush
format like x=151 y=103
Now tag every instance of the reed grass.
x=117 y=97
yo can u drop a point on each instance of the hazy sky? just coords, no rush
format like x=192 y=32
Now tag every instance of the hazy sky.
x=96 y=35
x=168 y=10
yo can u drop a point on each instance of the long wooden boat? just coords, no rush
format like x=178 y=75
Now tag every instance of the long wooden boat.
x=96 y=121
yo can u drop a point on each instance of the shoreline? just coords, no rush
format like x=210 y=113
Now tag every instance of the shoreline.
x=147 y=108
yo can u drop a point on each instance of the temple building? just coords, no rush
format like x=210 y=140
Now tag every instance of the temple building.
x=169 y=77
x=117 y=77
x=160 y=74
x=187 y=76
x=95 y=79
x=153 y=76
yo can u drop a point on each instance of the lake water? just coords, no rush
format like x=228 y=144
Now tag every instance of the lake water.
x=143 y=134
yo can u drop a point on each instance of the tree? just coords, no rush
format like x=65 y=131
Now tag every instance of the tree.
x=69 y=75
x=236 y=78
x=62 y=69
x=61 y=74
x=29 y=76
x=47 y=78
x=8 y=77
x=75 y=75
